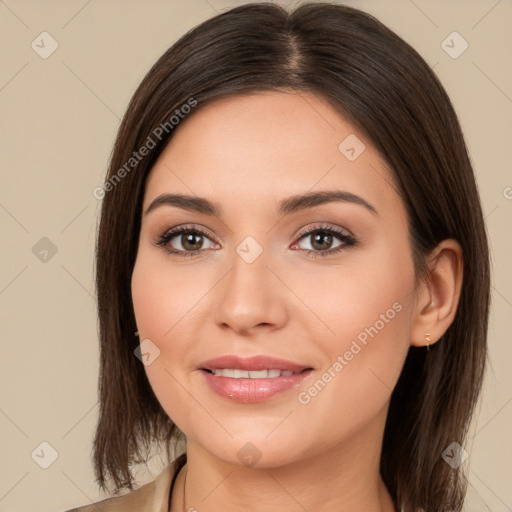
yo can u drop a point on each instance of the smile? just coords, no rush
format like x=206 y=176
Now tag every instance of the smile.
x=256 y=374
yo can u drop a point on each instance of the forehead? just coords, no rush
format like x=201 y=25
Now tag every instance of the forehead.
x=258 y=148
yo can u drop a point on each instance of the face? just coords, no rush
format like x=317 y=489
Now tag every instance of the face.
x=326 y=285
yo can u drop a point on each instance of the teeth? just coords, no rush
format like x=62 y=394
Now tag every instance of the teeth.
x=246 y=374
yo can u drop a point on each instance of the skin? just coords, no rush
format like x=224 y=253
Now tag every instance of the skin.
x=247 y=153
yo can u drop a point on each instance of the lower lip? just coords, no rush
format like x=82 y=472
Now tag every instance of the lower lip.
x=253 y=390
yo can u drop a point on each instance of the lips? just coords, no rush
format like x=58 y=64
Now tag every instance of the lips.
x=253 y=363
x=226 y=376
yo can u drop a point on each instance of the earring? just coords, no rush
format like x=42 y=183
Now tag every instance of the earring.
x=427 y=339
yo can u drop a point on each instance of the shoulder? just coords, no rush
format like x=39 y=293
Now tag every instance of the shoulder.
x=150 y=497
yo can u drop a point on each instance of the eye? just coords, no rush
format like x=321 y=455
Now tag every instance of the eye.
x=322 y=239
x=189 y=240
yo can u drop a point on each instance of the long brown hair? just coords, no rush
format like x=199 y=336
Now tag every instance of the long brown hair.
x=380 y=84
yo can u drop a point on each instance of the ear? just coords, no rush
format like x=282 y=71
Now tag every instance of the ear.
x=438 y=295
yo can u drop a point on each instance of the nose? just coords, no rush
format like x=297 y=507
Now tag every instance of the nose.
x=250 y=297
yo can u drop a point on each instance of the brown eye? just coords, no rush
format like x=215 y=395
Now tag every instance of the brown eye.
x=191 y=241
x=322 y=239
x=184 y=241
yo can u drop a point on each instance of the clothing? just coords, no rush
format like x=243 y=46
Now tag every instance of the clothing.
x=154 y=496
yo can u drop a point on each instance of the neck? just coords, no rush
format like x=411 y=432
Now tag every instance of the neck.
x=344 y=478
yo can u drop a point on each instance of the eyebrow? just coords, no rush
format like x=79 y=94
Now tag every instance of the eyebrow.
x=285 y=207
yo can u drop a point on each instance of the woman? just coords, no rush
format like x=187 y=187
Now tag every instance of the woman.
x=292 y=274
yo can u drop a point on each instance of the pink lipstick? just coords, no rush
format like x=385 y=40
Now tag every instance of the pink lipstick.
x=252 y=379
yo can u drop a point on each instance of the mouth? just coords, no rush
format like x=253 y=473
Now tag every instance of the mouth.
x=238 y=373
x=248 y=367
x=252 y=379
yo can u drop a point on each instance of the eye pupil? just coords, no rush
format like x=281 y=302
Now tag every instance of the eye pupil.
x=191 y=241
x=319 y=237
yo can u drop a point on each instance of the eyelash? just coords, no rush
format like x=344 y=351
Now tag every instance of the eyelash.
x=348 y=240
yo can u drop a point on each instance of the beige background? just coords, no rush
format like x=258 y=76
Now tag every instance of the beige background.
x=58 y=121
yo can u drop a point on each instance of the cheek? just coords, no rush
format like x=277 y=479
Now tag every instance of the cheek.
x=167 y=300
x=367 y=288
x=378 y=314
x=159 y=305
x=365 y=312
x=161 y=299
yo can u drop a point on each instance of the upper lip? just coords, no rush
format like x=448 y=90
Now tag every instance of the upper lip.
x=252 y=363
